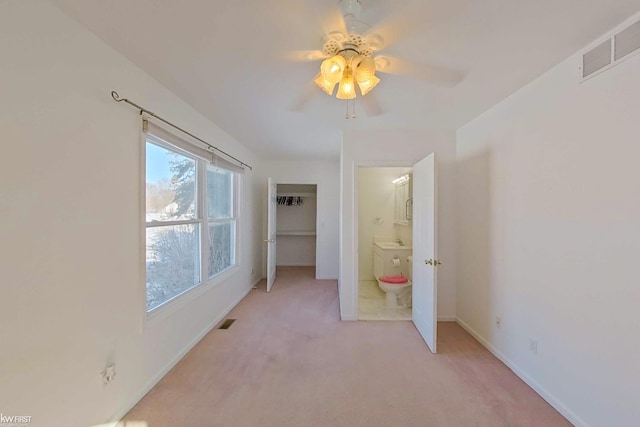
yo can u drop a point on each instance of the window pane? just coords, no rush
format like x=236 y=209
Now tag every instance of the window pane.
x=173 y=261
x=171 y=185
x=222 y=246
x=219 y=193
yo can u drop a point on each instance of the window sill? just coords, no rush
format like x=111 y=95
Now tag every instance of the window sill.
x=176 y=304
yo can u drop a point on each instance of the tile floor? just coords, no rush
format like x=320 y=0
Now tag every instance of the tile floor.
x=371 y=304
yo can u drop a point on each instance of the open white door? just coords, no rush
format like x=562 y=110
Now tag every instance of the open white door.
x=424 y=298
x=272 y=195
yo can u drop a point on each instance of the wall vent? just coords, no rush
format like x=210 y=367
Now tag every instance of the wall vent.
x=227 y=324
x=612 y=51
x=627 y=41
x=596 y=59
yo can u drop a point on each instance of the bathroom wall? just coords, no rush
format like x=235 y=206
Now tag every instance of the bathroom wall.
x=405 y=232
x=549 y=238
x=376 y=200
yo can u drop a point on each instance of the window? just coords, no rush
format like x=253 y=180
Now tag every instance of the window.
x=191 y=232
x=221 y=219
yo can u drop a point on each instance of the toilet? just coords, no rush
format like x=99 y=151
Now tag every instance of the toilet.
x=392 y=269
x=397 y=289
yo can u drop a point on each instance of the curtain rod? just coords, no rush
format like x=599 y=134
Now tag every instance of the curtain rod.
x=117 y=98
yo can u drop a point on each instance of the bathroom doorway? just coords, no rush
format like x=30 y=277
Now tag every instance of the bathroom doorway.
x=385 y=229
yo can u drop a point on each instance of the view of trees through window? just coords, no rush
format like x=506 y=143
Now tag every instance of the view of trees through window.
x=174 y=225
x=221 y=222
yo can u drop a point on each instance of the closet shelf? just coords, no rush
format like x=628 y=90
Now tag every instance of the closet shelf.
x=295 y=233
x=296 y=194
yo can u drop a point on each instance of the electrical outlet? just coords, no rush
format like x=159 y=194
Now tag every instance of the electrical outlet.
x=109 y=374
x=533 y=346
x=498 y=321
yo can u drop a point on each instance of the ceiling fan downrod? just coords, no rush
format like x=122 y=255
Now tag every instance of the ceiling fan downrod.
x=350 y=8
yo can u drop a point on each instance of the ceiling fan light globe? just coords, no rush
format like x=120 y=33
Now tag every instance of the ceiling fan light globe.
x=365 y=68
x=347 y=89
x=325 y=85
x=332 y=69
x=366 y=85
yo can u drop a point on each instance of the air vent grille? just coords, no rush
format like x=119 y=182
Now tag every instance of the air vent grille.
x=627 y=40
x=612 y=51
x=596 y=59
x=227 y=324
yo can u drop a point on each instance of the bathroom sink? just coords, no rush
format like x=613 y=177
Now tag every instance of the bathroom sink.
x=390 y=245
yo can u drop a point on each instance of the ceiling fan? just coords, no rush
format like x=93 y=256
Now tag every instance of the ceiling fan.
x=350 y=61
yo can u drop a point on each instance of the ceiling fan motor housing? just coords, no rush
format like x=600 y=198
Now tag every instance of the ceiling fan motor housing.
x=337 y=42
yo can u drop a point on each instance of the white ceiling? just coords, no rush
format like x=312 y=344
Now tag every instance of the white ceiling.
x=229 y=60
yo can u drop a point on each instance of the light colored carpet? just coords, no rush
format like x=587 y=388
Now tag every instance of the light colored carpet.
x=289 y=361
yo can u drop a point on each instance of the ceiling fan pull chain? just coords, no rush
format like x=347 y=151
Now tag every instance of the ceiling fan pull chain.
x=351 y=115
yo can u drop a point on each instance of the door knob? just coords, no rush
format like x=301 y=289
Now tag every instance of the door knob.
x=428 y=261
x=269 y=241
x=436 y=262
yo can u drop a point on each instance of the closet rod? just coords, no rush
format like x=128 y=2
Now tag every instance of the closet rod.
x=296 y=195
x=117 y=98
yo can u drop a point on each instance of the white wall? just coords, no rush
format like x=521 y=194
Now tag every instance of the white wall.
x=71 y=234
x=398 y=148
x=549 y=238
x=296 y=251
x=326 y=174
x=376 y=200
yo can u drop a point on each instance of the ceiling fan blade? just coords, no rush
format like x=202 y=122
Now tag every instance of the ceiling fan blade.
x=332 y=19
x=309 y=92
x=432 y=74
x=401 y=20
x=303 y=55
x=370 y=104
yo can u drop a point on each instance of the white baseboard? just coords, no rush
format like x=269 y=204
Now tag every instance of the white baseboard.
x=165 y=370
x=296 y=264
x=551 y=399
x=326 y=277
x=448 y=318
x=348 y=317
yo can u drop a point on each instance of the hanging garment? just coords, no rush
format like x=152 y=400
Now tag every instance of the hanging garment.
x=290 y=200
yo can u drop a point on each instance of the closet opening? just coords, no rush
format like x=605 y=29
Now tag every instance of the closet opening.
x=296 y=220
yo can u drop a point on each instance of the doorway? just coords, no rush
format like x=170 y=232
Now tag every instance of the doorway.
x=296 y=220
x=291 y=228
x=424 y=249
x=384 y=243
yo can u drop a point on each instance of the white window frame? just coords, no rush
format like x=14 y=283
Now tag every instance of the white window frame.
x=201 y=218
